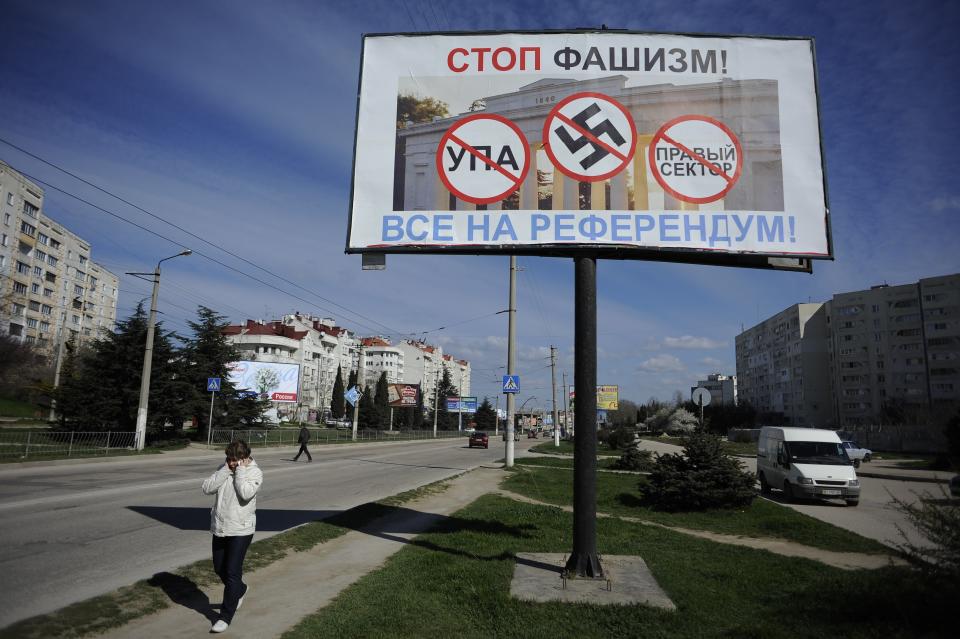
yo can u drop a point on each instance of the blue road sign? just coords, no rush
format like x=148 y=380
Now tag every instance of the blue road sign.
x=353 y=395
x=213 y=384
x=511 y=383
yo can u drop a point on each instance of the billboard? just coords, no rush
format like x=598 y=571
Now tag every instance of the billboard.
x=462 y=404
x=402 y=395
x=608 y=397
x=670 y=147
x=276 y=382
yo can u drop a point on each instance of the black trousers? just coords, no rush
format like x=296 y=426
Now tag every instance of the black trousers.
x=303 y=449
x=228 y=554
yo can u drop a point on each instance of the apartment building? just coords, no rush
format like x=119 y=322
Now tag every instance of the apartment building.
x=895 y=346
x=380 y=357
x=722 y=388
x=865 y=355
x=50 y=288
x=783 y=366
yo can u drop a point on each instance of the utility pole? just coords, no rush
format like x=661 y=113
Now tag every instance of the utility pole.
x=436 y=390
x=566 y=408
x=141 y=434
x=511 y=357
x=356 y=405
x=496 y=419
x=553 y=395
x=60 y=347
x=460 y=404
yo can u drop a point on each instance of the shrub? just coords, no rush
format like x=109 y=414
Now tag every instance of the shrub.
x=938 y=521
x=681 y=422
x=621 y=438
x=702 y=477
x=635 y=459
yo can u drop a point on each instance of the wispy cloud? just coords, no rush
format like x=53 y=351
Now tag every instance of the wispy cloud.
x=945 y=203
x=692 y=342
x=662 y=363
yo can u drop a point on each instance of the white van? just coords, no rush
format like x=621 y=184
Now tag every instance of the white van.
x=806 y=462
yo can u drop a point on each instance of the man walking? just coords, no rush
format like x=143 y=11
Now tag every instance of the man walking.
x=303 y=439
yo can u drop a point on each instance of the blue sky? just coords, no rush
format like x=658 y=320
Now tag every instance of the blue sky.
x=235 y=121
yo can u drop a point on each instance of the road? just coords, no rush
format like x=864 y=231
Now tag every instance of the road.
x=71 y=531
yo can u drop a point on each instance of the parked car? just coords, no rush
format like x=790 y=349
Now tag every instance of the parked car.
x=856 y=453
x=478 y=438
x=806 y=462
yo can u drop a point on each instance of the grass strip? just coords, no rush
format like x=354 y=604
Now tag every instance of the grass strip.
x=115 y=609
x=455 y=582
x=560 y=462
x=620 y=495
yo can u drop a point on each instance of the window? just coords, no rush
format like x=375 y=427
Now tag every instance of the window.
x=6 y=220
x=46 y=309
x=83 y=260
x=30 y=209
x=40 y=255
x=81 y=275
x=51 y=260
x=28 y=229
x=31 y=322
x=18 y=309
x=43 y=239
x=10 y=198
x=48 y=292
x=54 y=243
x=38 y=271
x=35 y=288
x=75 y=319
x=34 y=306
x=3 y=261
x=4 y=240
x=77 y=289
x=51 y=277
x=20 y=289
x=16 y=329
x=44 y=326
x=23 y=269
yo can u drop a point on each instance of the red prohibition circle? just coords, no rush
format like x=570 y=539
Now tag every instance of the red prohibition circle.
x=570 y=172
x=517 y=180
x=731 y=181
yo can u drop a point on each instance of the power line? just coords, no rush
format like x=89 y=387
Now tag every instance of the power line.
x=183 y=230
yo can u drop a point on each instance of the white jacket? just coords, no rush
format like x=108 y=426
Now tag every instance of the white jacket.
x=234 y=514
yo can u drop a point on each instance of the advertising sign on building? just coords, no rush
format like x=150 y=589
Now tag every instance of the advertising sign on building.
x=276 y=382
x=651 y=146
x=402 y=395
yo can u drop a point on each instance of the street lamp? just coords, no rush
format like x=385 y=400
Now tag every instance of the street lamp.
x=141 y=434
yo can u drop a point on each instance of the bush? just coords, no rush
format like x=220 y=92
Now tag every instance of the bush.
x=635 y=459
x=702 y=477
x=621 y=438
x=938 y=521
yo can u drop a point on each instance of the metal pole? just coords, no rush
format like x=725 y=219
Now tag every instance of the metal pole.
x=391 y=419
x=436 y=389
x=584 y=560
x=511 y=359
x=553 y=395
x=141 y=434
x=496 y=419
x=460 y=404
x=700 y=398
x=210 y=421
x=566 y=407
x=356 y=406
x=56 y=374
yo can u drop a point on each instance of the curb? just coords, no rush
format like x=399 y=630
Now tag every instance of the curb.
x=917 y=478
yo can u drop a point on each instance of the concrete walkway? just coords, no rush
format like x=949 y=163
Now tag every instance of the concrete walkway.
x=298 y=585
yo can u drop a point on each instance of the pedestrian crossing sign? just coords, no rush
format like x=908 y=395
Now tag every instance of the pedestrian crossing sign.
x=511 y=383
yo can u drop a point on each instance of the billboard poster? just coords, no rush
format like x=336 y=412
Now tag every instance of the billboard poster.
x=608 y=397
x=276 y=382
x=402 y=395
x=635 y=145
x=462 y=404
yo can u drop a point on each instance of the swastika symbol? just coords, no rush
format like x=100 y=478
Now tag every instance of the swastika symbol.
x=605 y=127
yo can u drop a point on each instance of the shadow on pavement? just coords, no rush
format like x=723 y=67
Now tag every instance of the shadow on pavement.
x=184 y=592
x=268 y=519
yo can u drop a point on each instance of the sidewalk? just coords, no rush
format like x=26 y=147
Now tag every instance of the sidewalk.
x=883 y=469
x=288 y=590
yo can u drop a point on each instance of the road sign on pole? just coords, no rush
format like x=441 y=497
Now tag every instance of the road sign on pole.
x=511 y=384
x=701 y=397
x=213 y=384
x=353 y=395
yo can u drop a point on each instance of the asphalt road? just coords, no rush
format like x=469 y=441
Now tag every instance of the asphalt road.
x=71 y=531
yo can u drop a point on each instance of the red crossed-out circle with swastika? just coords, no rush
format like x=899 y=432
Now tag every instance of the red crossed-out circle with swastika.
x=495 y=182
x=724 y=180
x=562 y=157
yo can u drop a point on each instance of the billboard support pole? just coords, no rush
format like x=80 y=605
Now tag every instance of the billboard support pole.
x=210 y=421
x=584 y=561
x=511 y=358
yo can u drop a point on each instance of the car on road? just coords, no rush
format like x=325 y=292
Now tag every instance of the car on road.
x=855 y=452
x=478 y=438
x=805 y=463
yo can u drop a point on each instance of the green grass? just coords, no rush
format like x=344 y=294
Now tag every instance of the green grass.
x=559 y=462
x=18 y=409
x=566 y=448
x=112 y=610
x=619 y=495
x=455 y=582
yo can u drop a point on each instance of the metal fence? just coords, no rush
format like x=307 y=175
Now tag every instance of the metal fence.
x=290 y=437
x=41 y=444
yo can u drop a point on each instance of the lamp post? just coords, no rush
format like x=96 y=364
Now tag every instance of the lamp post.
x=141 y=434
x=63 y=339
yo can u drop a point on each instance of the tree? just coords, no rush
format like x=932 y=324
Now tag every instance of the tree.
x=381 y=399
x=682 y=422
x=337 y=403
x=208 y=354
x=702 y=477
x=445 y=420
x=21 y=366
x=624 y=416
x=486 y=416
x=369 y=413
x=413 y=110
